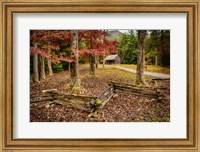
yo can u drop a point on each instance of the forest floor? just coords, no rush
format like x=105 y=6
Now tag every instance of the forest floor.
x=121 y=108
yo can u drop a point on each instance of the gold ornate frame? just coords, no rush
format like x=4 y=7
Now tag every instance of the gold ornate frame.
x=190 y=7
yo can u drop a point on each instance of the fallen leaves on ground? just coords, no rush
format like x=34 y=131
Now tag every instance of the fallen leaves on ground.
x=121 y=108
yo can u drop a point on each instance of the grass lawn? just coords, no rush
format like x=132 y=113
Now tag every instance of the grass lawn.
x=150 y=68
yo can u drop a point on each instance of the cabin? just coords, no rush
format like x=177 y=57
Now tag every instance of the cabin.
x=112 y=59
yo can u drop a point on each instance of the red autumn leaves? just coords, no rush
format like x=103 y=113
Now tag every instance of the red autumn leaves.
x=95 y=42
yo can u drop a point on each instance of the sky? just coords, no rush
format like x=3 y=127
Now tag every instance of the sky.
x=123 y=31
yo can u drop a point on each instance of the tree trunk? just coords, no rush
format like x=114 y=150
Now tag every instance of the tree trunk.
x=104 y=61
x=49 y=63
x=35 y=66
x=49 y=67
x=75 y=81
x=156 y=60
x=69 y=66
x=140 y=57
x=91 y=59
x=96 y=61
x=74 y=71
x=92 y=62
x=42 y=68
x=165 y=48
x=161 y=47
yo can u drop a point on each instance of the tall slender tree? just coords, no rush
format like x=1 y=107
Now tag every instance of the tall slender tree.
x=42 y=68
x=46 y=41
x=48 y=60
x=74 y=70
x=49 y=63
x=96 y=61
x=92 y=59
x=165 y=48
x=35 y=65
x=140 y=57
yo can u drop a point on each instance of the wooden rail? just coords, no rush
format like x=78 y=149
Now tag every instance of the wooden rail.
x=93 y=104
x=102 y=99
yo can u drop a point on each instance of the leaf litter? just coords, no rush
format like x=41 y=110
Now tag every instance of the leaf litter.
x=121 y=108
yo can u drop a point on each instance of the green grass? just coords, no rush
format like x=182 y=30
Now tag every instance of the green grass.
x=150 y=68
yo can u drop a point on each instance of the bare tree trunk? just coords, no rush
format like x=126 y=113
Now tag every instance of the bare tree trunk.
x=74 y=71
x=35 y=66
x=92 y=62
x=42 y=68
x=140 y=58
x=49 y=63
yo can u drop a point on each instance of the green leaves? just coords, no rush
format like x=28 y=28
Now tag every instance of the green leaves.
x=127 y=48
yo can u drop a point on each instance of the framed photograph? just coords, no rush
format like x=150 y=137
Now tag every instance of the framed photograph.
x=93 y=76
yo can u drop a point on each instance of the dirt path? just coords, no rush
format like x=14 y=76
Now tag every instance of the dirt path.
x=160 y=75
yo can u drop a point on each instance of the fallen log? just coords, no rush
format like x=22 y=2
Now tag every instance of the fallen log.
x=137 y=94
x=134 y=89
x=71 y=105
x=41 y=100
x=147 y=91
x=75 y=101
x=41 y=106
x=134 y=86
x=67 y=100
x=128 y=88
x=44 y=91
x=55 y=93
x=63 y=103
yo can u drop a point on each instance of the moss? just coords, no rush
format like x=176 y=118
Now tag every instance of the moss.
x=93 y=119
x=137 y=82
x=67 y=86
x=77 y=90
x=99 y=102
x=36 y=82
x=92 y=116
x=140 y=83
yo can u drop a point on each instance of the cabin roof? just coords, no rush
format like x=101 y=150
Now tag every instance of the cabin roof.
x=111 y=57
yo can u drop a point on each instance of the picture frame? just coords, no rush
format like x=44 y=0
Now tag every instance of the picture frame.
x=9 y=7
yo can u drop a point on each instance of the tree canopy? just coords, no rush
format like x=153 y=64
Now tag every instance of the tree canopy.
x=157 y=47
